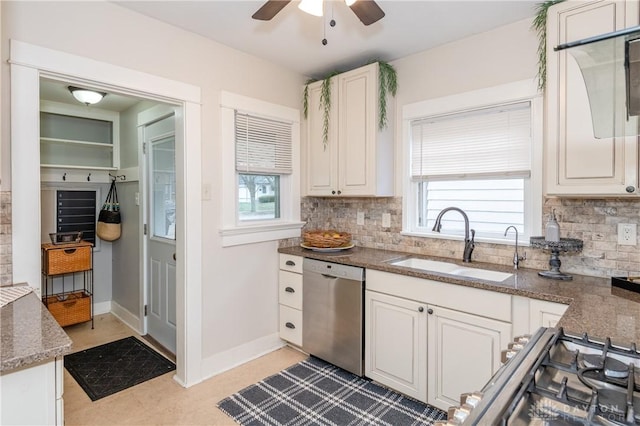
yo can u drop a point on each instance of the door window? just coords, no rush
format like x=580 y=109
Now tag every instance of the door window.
x=163 y=188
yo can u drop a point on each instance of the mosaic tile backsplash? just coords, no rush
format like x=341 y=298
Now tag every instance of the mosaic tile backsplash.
x=593 y=221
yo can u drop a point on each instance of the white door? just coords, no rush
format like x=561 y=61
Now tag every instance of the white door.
x=464 y=353
x=396 y=343
x=159 y=149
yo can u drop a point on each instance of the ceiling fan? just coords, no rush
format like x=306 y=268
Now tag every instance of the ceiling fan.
x=367 y=11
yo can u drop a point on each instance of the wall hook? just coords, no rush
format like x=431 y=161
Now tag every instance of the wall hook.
x=89 y=177
x=121 y=177
x=64 y=176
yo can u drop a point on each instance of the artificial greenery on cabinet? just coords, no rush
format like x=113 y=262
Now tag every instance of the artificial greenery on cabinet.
x=540 y=26
x=387 y=84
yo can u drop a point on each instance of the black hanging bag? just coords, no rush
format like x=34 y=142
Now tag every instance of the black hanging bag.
x=109 y=219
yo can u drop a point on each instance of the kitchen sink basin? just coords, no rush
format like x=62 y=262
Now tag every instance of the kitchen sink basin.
x=451 y=269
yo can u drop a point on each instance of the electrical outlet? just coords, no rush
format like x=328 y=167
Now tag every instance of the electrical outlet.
x=627 y=234
x=386 y=220
x=360 y=218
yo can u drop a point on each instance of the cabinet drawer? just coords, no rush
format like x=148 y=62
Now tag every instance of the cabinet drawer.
x=290 y=293
x=291 y=263
x=66 y=260
x=291 y=325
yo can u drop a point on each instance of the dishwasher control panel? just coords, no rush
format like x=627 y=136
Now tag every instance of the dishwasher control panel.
x=333 y=269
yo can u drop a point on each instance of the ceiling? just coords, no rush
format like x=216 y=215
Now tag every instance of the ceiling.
x=58 y=91
x=293 y=38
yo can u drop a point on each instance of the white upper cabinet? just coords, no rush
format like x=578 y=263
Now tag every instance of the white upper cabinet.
x=578 y=163
x=357 y=159
x=78 y=139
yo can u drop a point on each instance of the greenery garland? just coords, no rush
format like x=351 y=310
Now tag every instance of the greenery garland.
x=540 y=25
x=387 y=83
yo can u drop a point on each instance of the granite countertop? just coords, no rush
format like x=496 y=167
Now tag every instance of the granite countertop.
x=29 y=334
x=595 y=307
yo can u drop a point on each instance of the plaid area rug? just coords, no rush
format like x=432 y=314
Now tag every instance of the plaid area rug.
x=106 y=369
x=314 y=392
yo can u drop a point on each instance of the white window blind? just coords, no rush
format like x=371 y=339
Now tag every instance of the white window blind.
x=262 y=145
x=492 y=141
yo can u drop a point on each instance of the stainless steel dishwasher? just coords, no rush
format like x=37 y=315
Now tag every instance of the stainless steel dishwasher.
x=332 y=313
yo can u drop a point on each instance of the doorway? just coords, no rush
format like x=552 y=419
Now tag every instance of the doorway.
x=28 y=64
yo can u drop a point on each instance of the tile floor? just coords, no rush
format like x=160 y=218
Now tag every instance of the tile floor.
x=160 y=401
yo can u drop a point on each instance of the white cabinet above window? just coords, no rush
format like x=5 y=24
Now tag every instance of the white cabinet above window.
x=78 y=138
x=357 y=158
x=577 y=162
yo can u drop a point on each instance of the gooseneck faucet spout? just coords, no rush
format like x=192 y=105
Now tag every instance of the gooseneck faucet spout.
x=516 y=258
x=469 y=242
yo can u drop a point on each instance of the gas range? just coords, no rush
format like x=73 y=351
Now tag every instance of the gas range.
x=558 y=379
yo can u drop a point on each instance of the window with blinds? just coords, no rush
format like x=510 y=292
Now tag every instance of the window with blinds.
x=478 y=161
x=263 y=155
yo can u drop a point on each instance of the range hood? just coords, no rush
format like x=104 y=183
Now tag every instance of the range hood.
x=610 y=66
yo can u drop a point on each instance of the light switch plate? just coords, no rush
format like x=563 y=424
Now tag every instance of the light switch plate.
x=386 y=220
x=627 y=234
x=360 y=218
x=206 y=191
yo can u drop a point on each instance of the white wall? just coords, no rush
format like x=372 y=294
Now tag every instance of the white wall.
x=496 y=57
x=239 y=293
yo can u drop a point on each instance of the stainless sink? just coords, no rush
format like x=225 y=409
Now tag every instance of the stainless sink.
x=451 y=269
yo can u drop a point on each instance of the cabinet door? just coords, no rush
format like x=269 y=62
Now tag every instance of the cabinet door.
x=544 y=314
x=357 y=105
x=463 y=354
x=577 y=162
x=395 y=343
x=321 y=158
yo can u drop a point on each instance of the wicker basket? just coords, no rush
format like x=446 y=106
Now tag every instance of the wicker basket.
x=71 y=309
x=327 y=239
x=65 y=260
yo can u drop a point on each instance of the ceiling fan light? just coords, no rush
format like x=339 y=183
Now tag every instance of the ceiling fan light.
x=312 y=7
x=86 y=96
x=349 y=2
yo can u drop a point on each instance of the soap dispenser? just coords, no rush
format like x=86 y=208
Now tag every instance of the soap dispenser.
x=552 y=231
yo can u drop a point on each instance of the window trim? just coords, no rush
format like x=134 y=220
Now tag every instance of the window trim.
x=524 y=90
x=233 y=231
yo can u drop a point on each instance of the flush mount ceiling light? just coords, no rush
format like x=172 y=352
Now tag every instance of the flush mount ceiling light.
x=86 y=96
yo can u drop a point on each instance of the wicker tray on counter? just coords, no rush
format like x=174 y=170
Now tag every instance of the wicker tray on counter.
x=326 y=239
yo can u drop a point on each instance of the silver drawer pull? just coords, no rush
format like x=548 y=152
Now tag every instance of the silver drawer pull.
x=290 y=325
x=289 y=290
x=290 y=263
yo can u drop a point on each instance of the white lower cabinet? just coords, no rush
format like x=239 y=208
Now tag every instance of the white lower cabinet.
x=463 y=353
x=290 y=299
x=438 y=350
x=396 y=343
x=32 y=395
x=544 y=314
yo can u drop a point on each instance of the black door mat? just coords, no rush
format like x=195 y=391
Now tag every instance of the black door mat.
x=106 y=369
x=314 y=392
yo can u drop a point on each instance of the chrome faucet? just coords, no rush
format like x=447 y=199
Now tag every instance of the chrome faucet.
x=516 y=258
x=469 y=243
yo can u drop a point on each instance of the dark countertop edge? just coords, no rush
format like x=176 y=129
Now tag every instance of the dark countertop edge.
x=60 y=342
x=384 y=266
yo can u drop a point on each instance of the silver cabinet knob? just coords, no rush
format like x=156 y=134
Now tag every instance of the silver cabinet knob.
x=420 y=309
x=430 y=311
x=630 y=189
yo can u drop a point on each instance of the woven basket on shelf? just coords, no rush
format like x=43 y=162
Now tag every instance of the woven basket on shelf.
x=326 y=239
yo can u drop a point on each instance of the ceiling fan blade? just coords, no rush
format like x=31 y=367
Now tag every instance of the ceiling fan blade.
x=270 y=9
x=367 y=11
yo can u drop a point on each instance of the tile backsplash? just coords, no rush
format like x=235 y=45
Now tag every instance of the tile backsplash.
x=593 y=221
x=5 y=239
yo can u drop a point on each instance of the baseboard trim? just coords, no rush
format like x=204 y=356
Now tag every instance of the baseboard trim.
x=126 y=317
x=101 y=308
x=234 y=357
